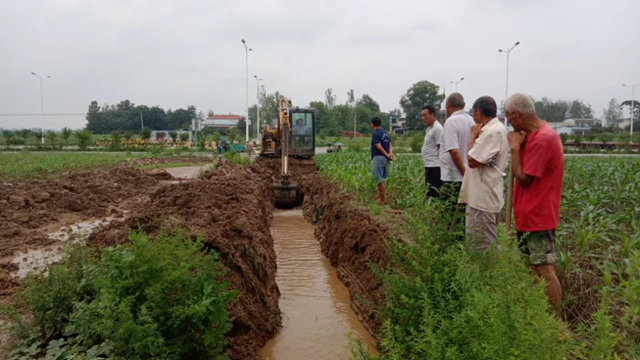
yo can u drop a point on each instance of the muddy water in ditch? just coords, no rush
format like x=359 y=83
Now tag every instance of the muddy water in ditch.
x=315 y=304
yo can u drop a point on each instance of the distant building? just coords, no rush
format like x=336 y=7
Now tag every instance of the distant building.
x=396 y=123
x=222 y=121
x=576 y=126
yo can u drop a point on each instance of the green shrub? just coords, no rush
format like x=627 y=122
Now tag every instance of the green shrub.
x=160 y=298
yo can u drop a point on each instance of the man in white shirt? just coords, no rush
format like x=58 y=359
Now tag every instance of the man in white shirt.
x=431 y=151
x=483 y=184
x=454 y=146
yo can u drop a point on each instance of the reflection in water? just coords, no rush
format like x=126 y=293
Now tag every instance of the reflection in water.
x=315 y=304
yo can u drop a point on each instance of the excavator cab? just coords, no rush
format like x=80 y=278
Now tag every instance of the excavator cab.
x=303 y=140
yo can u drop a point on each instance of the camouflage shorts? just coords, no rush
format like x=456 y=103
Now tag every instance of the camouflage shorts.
x=539 y=246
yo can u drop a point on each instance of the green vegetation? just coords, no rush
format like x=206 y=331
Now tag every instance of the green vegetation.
x=443 y=302
x=26 y=164
x=150 y=299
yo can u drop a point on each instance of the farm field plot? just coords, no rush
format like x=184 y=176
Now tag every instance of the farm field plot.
x=442 y=302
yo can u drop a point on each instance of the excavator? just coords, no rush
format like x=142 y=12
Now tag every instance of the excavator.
x=292 y=137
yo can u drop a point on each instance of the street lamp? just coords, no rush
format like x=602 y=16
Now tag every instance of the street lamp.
x=457 y=82
x=506 y=91
x=258 y=108
x=633 y=88
x=246 y=51
x=41 y=98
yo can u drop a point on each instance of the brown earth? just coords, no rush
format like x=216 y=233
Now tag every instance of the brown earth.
x=230 y=209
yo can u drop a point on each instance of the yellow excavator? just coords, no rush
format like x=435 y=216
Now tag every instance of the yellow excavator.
x=293 y=136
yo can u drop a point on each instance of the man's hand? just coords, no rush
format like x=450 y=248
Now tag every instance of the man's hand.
x=516 y=139
x=475 y=131
x=390 y=157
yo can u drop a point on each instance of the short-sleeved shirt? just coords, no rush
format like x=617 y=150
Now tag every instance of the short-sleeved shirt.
x=483 y=186
x=456 y=134
x=380 y=136
x=537 y=206
x=431 y=145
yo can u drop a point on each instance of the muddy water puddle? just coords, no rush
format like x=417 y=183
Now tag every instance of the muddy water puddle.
x=37 y=260
x=316 y=308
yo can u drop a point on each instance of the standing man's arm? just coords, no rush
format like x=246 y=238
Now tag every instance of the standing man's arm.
x=382 y=151
x=390 y=151
x=456 y=155
x=516 y=140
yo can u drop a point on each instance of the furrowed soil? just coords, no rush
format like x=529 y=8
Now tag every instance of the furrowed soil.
x=229 y=208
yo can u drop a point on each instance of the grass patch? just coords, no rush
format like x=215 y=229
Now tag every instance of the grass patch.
x=27 y=164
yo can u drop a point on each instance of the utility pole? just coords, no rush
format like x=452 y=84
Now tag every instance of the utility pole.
x=41 y=100
x=506 y=91
x=633 y=88
x=258 y=108
x=246 y=51
x=141 y=122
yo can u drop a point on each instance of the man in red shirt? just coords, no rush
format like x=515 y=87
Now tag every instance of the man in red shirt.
x=537 y=162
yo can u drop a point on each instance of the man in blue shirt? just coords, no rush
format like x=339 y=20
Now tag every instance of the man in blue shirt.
x=381 y=154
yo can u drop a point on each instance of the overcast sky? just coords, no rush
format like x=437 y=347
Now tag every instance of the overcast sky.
x=179 y=53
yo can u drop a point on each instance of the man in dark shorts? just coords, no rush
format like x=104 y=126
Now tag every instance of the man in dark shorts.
x=431 y=151
x=537 y=161
x=381 y=154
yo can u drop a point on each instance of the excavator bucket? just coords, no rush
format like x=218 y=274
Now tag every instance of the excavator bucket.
x=286 y=194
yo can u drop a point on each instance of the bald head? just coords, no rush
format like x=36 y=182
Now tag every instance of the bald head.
x=455 y=102
x=521 y=103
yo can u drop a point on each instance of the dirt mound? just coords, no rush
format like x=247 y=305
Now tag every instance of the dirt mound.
x=231 y=209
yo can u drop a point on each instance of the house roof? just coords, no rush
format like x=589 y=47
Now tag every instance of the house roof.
x=225 y=117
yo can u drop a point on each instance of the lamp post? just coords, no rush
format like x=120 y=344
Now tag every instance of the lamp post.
x=633 y=88
x=246 y=52
x=506 y=91
x=258 y=108
x=456 y=83
x=41 y=98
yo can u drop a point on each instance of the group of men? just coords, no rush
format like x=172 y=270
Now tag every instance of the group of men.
x=465 y=162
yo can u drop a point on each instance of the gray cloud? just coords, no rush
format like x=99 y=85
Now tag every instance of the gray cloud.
x=180 y=53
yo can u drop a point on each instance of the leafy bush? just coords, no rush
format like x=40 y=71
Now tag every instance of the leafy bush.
x=236 y=158
x=149 y=299
x=84 y=138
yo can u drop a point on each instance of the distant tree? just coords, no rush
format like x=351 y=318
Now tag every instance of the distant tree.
x=84 y=137
x=216 y=137
x=395 y=112
x=417 y=96
x=234 y=134
x=145 y=133
x=66 y=134
x=25 y=134
x=368 y=102
x=579 y=109
x=184 y=137
x=210 y=113
x=51 y=137
x=550 y=110
x=351 y=97
x=329 y=98
x=39 y=136
x=174 y=135
x=613 y=113
x=8 y=136
x=636 y=105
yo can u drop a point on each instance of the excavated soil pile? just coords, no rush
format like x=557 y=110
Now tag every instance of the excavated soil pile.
x=349 y=237
x=231 y=209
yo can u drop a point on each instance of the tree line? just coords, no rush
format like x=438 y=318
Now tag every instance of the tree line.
x=125 y=116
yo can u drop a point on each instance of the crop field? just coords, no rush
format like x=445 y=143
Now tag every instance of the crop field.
x=445 y=303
